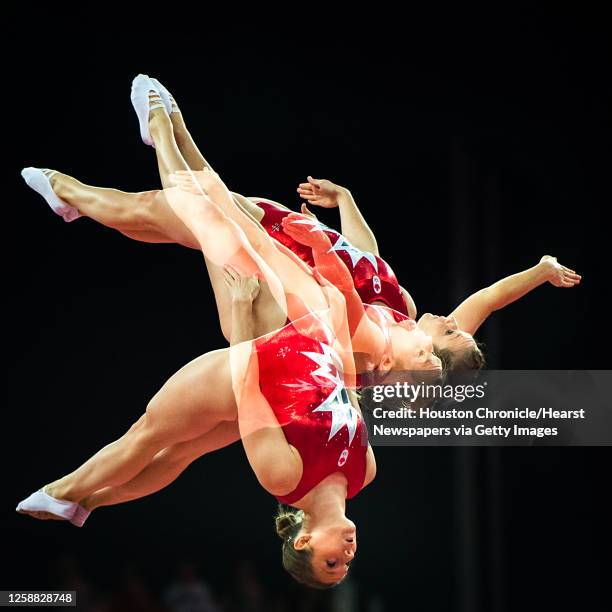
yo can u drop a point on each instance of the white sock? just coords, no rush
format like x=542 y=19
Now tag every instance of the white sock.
x=141 y=88
x=40 y=183
x=41 y=502
x=166 y=96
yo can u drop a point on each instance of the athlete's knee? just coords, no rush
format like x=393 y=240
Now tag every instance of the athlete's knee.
x=148 y=436
x=137 y=425
x=148 y=430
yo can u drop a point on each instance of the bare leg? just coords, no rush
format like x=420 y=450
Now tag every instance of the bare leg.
x=179 y=412
x=169 y=158
x=165 y=467
x=146 y=211
x=186 y=144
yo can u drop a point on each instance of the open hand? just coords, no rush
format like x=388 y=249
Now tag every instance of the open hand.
x=308 y=233
x=320 y=192
x=242 y=288
x=559 y=275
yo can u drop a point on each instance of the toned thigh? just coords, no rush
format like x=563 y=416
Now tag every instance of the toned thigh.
x=195 y=399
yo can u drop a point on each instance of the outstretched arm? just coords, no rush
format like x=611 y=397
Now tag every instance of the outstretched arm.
x=322 y=192
x=474 y=311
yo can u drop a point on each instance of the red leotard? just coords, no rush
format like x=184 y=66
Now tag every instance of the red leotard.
x=373 y=277
x=301 y=378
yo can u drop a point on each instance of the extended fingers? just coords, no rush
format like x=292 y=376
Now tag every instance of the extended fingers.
x=308 y=194
x=228 y=276
x=571 y=274
x=574 y=277
x=235 y=272
x=298 y=220
x=295 y=231
x=204 y=173
x=182 y=175
x=185 y=182
x=311 y=197
x=569 y=280
x=288 y=225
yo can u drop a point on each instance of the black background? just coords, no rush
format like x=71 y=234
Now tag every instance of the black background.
x=473 y=144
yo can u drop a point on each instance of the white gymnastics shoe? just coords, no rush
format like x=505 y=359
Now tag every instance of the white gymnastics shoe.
x=80 y=516
x=167 y=98
x=39 y=180
x=42 y=502
x=144 y=103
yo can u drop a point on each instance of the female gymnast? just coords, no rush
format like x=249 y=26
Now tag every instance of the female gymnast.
x=303 y=436
x=137 y=216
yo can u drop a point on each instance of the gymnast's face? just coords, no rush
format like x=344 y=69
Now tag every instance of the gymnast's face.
x=445 y=333
x=412 y=348
x=333 y=549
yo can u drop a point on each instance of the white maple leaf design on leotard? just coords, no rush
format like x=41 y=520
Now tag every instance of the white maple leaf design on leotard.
x=354 y=253
x=337 y=402
x=341 y=244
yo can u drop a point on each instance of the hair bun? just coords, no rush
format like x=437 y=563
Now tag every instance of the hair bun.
x=286 y=522
x=284 y=525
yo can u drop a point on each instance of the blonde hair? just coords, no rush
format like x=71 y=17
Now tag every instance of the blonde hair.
x=298 y=563
x=461 y=366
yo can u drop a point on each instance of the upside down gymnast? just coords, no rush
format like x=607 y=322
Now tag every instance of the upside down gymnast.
x=152 y=217
x=303 y=436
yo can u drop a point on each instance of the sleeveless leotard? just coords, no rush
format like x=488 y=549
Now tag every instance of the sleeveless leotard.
x=301 y=378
